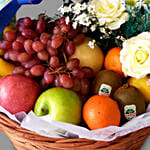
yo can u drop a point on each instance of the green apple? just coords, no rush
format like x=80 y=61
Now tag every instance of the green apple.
x=61 y=104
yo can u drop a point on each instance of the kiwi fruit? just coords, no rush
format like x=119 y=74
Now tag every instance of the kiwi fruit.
x=131 y=102
x=106 y=82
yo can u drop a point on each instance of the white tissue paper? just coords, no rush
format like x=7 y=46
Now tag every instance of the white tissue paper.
x=55 y=129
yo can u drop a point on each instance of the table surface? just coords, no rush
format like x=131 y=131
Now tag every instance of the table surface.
x=50 y=7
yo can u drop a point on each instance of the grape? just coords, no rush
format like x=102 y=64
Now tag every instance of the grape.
x=76 y=84
x=5 y=45
x=29 y=34
x=22 y=28
x=54 y=62
x=49 y=43
x=43 y=84
x=70 y=48
x=37 y=70
x=49 y=26
x=65 y=28
x=19 y=70
x=66 y=81
x=32 y=62
x=41 y=26
x=20 y=21
x=10 y=36
x=28 y=74
x=57 y=40
x=89 y=73
x=79 y=39
x=36 y=39
x=56 y=82
x=49 y=78
x=85 y=86
x=23 y=57
x=34 y=24
x=25 y=22
x=52 y=51
x=20 y=39
x=13 y=55
x=28 y=47
x=72 y=63
x=56 y=30
x=72 y=33
x=37 y=46
x=78 y=72
x=43 y=55
x=6 y=55
x=17 y=46
x=44 y=38
x=61 y=20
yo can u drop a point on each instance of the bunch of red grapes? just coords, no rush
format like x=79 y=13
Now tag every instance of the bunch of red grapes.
x=41 y=50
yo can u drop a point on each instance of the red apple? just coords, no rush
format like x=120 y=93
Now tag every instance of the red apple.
x=18 y=93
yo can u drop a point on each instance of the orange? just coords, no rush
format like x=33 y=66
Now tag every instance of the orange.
x=112 y=60
x=101 y=111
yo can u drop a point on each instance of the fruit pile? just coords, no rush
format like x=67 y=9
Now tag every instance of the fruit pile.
x=45 y=51
x=49 y=66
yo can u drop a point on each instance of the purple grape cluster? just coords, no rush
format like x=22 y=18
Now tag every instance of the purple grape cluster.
x=41 y=49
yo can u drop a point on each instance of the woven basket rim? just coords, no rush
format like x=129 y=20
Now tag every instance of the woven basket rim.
x=20 y=136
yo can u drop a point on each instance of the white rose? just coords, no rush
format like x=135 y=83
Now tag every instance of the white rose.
x=113 y=11
x=135 y=56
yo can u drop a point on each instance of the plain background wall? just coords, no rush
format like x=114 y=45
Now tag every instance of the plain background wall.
x=50 y=7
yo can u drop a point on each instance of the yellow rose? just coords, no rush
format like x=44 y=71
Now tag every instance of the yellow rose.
x=112 y=11
x=135 y=56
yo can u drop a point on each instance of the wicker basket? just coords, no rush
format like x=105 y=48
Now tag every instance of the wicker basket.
x=26 y=140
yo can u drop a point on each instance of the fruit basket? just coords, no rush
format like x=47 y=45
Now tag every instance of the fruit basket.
x=49 y=51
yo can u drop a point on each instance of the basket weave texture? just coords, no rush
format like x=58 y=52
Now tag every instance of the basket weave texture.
x=23 y=139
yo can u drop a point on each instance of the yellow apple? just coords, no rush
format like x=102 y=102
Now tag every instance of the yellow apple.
x=142 y=85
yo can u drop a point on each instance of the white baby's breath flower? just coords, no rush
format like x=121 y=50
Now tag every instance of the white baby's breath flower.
x=62 y=9
x=93 y=19
x=91 y=9
x=83 y=19
x=121 y=38
x=93 y=28
x=86 y=23
x=77 y=8
x=67 y=20
x=103 y=30
x=74 y=25
x=83 y=6
x=91 y=44
x=69 y=8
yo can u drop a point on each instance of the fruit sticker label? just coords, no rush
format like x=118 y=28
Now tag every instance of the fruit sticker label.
x=130 y=111
x=105 y=90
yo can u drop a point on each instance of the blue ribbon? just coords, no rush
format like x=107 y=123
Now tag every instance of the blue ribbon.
x=29 y=1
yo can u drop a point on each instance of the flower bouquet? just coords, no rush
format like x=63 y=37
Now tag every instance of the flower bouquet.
x=78 y=80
